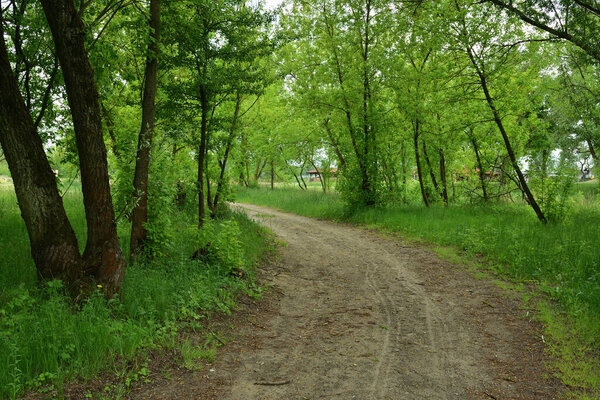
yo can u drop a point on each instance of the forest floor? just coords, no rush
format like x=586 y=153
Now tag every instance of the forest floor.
x=350 y=314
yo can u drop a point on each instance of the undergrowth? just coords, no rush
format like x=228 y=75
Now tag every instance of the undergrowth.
x=45 y=340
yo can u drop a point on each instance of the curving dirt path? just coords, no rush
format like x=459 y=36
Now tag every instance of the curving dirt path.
x=363 y=317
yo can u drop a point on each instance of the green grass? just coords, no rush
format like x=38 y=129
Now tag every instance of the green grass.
x=4 y=168
x=45 y=340
x=561 y=259
x=589 y=189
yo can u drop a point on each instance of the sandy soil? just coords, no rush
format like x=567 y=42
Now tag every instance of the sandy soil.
x=353 y=315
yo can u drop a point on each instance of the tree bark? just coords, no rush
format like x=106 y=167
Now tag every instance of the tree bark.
x=479 y=166
x=53 y=243
x=142 y=165
x=228 y=145
x=443 y=177
x=103 y=256
x=202 y=153
x=418 y=161
x=431 y=173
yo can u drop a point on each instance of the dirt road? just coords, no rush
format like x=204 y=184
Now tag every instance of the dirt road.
x=364 y=317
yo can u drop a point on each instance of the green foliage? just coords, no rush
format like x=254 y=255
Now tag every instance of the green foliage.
x=45 y=340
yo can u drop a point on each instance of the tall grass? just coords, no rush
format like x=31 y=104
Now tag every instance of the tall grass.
x=46 y=340
x=562 y=259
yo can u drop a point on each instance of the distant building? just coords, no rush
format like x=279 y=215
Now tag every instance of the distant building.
x=315 y=174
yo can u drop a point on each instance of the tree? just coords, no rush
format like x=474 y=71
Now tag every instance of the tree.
x=576 y=21
x=489 y=61
x=140 y=181
x=53 y=243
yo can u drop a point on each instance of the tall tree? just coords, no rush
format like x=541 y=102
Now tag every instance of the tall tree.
x=140 y=181
x=53 y=243
x=102 y=255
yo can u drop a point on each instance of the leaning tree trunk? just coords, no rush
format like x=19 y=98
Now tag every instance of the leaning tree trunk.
x=103 y=256
x=431 y=173
x=443 y=177
x=479 y=166
x=228 y=145
x=513 y=159
x=53 y=243
x=142 y=164
x=418 y=161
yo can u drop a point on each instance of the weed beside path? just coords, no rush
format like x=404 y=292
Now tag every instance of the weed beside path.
x=45 y=340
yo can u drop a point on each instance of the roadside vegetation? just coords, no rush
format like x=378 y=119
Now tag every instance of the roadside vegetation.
x=46 y=340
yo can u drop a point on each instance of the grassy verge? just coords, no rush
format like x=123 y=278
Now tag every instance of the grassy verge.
x=45 y=341
x=561 y=260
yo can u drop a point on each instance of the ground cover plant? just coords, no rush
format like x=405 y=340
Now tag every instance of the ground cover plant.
x=560 y=259
x=46 y=340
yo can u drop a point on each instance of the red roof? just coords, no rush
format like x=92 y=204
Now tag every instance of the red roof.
x=314 y=171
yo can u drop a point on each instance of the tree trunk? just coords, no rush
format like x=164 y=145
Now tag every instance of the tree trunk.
x=418 y=161
x=228 y=145
x=592 y=149
x=479 y=166
x=202 y=153
x=209 y=201
x=404 y=172
x=53 y=243
x=320 y=175
x=334 y=144
x=513 y=159
x=142 y=165
x=272 y=175
x=111 y=131
x=431 y=173
x=443 y=177
x=103 y=256
x=301 y=177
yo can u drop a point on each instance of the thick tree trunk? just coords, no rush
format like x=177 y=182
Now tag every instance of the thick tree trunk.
x=103 y=256
x=418 y=161
x=228 y=145
x=53 y=243
x=142 y=164
x=443 y=177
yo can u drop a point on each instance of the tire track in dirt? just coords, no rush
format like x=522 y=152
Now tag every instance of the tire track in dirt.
x=427 y=341
x=360 y=316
